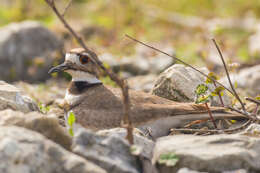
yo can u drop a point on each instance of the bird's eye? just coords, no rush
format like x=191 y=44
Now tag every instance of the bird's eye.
x=84 y=59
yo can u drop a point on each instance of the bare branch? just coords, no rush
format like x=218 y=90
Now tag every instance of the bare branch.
x=177 y=59
x=66 y=8
x=227 y=73
x=243 y=126
x=253 y=100
x=126 y=121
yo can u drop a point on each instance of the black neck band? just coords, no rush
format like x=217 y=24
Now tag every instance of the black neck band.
x=82 y=85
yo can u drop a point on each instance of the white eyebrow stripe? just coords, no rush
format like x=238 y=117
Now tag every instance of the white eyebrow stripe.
x=71 y=57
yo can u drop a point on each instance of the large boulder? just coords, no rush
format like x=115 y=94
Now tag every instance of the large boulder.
x=47 y=125
x=178 y=83
x=27 y=50
x=215 y=153
x=112 y=153
x=11 y=98
x=22 y=150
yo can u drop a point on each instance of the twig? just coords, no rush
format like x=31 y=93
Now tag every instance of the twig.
x=126 y=121
x=66 y=8
x=213 y=131
x=210 y=115
x=248 y=115
x=253 y=100
x=227 y=73
x=174 y=57
x=219 y=95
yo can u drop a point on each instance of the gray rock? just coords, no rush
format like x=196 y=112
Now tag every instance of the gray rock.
x=140 y=142
x=144 y=62
x=27 y=51
x=215 y=153
x=247 y=79
x=187 y=170
x=46 y=125
x=11 y=98
x=179 y=82
x=112 y=153
x=142 y=83
x=25 y=151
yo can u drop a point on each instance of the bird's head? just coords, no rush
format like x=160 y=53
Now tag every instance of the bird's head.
x=79 y=65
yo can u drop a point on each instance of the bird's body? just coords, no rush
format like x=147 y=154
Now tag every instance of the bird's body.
x=97 y=106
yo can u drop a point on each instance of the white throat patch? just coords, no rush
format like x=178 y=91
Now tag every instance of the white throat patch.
x=83 y=76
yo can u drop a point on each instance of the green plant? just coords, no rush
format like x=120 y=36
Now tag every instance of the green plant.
x=203 y=97
x=218 y=90
x=71 y=120
x=169 y=159
x=43 y=109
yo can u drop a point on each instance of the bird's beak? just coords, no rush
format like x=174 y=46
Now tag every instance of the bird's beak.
x=59 y=68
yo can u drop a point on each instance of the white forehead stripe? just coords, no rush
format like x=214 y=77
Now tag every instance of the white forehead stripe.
x=71 y=57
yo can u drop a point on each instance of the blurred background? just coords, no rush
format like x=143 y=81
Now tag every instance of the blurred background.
x=32 y=39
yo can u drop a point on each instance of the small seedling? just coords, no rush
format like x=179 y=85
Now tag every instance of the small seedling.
x=71 y=120
x=169 y=159
x=203 y=97
x=218 y=90
x=43 y=109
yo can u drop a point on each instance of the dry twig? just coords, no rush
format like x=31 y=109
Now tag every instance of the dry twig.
x=243 y=126
x=253 y=100
x=66 y=8
x=174 y=57
x=126 y=121
x=227 y=73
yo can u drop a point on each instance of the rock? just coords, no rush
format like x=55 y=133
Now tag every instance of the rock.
x=179 y=82
x=142 y=83
x=27 y=51
x=46 y=125
x=22 y=150
x=215 y=153
x=145 y=145
x=144 y=62
x=186 y=170
x=11 y=98
x=247 y=79
x=112 y=153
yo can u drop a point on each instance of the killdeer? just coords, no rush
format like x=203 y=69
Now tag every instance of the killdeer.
x=97 y=106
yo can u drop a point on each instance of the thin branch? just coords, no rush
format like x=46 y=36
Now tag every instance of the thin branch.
x=126 y=121
x=177 y=59
x=253 y=100
x=227 y=73
x=219 y=95
x=210 y=115
x=66 y=8
x=248 y=115
x=243 y=126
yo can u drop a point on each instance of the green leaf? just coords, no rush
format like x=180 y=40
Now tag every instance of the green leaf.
x=203 y=99
x=71 y=132
x=235 y=84
x=217 y=91
x=169 y=159
x=201 y=89
x=71 y=119
x=211 y=75
x=257 y=97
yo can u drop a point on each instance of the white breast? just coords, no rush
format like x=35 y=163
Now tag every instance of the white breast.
x=72 y=99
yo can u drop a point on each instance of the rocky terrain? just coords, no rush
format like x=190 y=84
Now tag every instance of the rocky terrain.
x=34 y=139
